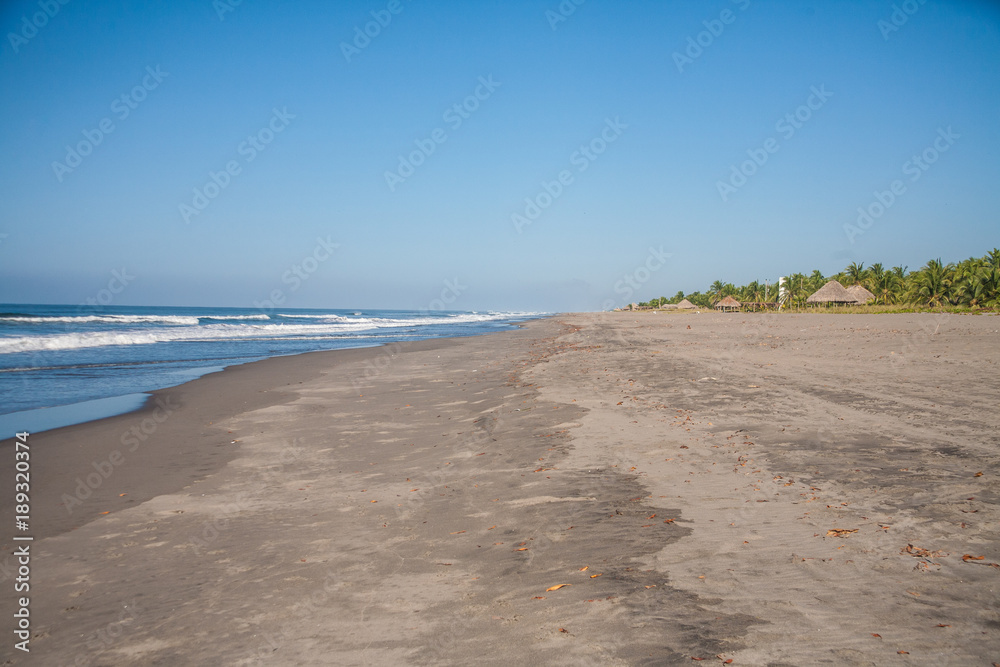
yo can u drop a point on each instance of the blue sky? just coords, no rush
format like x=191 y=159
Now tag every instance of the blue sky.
x=663 y=121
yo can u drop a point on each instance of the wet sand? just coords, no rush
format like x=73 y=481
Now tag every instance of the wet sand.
x=691 y=480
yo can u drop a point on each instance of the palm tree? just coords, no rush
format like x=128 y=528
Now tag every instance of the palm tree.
x=873 y=275
x=855 y=274
x=993 y=257
x=991 y=286
x=987 y=280
x=901 y=282
x=719 y=290
x=882 y=284
x=715 y=290
x=815 y=280
x=976 y=281
x=754 y=292
x=971 y=291
x=932 y=284
x=968 y=287
x=795 y=289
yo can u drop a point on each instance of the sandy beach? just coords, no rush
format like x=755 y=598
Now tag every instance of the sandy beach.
x=596 y=489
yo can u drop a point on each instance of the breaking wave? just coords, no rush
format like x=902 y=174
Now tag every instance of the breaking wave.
x=191 y=329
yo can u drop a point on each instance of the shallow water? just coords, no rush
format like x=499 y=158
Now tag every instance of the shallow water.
x=64 y=355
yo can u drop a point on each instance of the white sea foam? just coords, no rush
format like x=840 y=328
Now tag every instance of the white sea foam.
x=428 y=318
x=189 y=320
x=110 y=319
x=323 y=318
x=216 y=332
x=311 y=317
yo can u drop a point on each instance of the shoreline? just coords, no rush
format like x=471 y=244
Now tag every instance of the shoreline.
x=133 y=434
x=584 y=489
x=55 y=357
x=198 y=373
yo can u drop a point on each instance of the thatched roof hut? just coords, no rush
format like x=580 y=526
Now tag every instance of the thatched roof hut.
x=686 y=305
x=832 y=292
x=727 y=304
x=860 y=294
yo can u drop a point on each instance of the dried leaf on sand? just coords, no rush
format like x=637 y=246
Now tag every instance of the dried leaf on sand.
x=920 y=552
x=840 y=532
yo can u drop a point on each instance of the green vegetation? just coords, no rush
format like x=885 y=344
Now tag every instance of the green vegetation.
x=972 y=284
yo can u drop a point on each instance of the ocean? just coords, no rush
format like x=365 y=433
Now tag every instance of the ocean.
x=93 y=362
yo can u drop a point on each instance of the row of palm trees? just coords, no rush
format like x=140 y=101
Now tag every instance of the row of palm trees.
x=972 y=283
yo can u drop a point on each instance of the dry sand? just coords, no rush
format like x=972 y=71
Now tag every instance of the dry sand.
x=678 y=473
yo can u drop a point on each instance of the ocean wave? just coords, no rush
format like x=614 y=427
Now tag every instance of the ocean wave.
x=204 y=333
x=244 y=332
x=109 y=319
x=448 y=319
x=425 y=318
x=188 y=320
x=331 y=317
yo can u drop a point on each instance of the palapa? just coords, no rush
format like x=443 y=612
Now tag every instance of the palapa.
x=727 y=304
x=832 y=292
x=860 y=294
x=686 y=305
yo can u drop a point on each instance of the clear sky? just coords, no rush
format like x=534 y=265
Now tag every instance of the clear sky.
x=207 y=149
